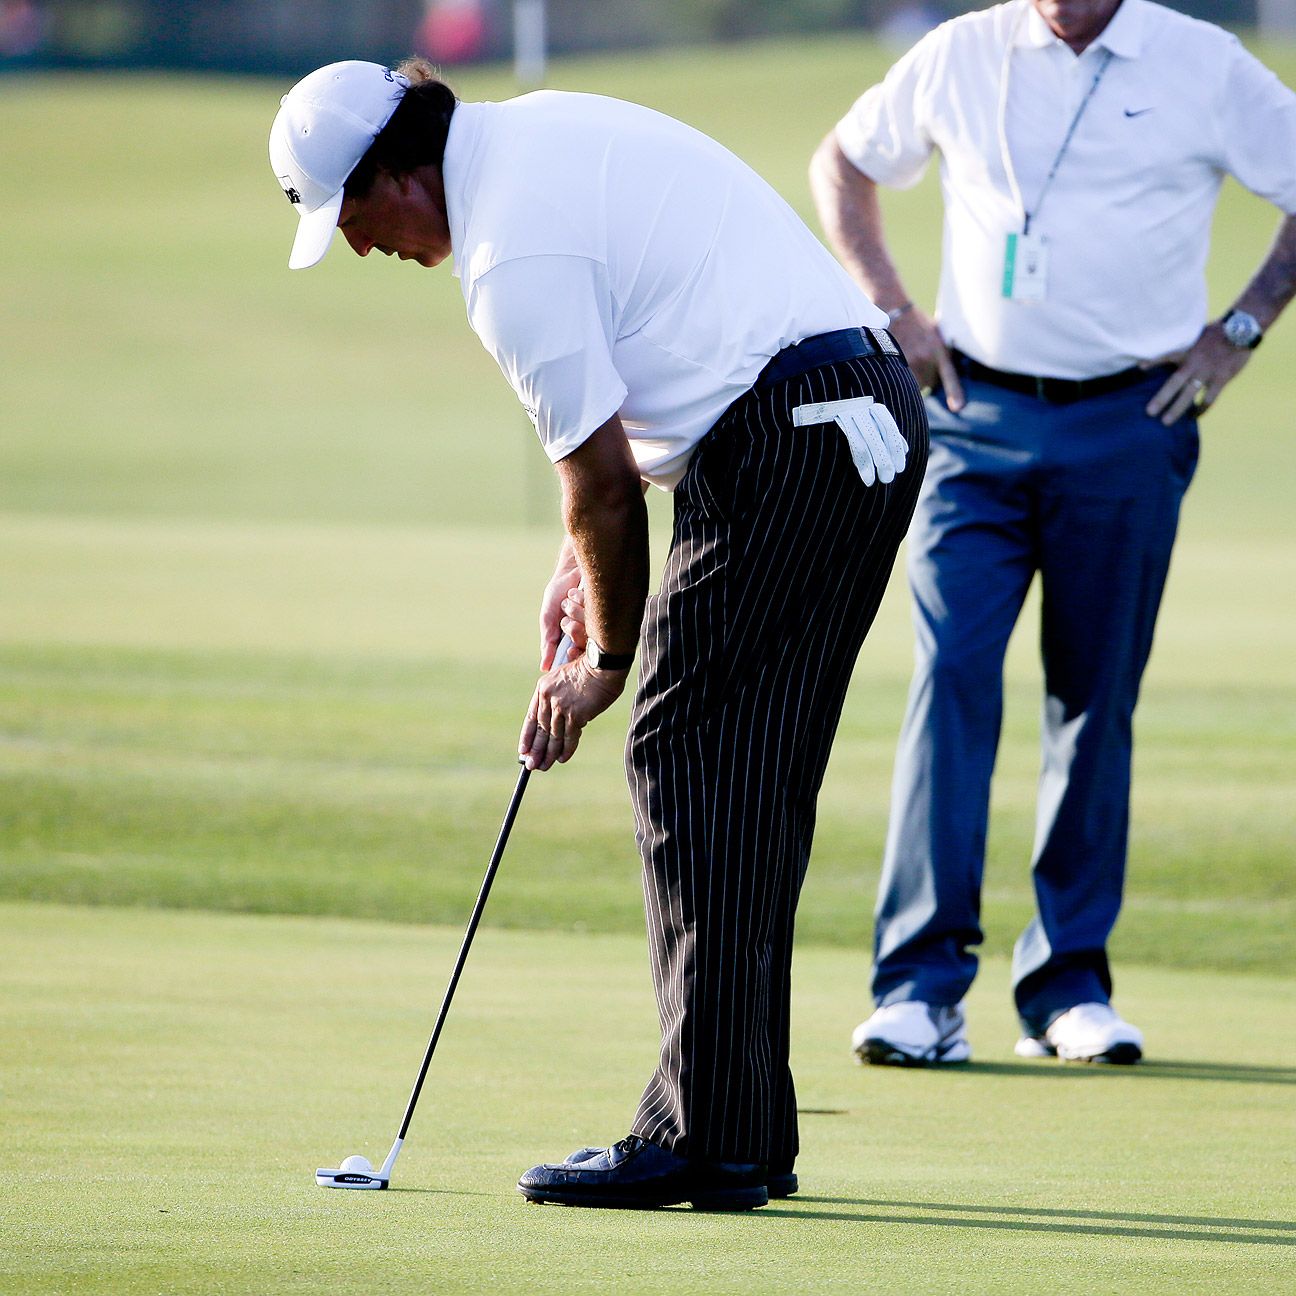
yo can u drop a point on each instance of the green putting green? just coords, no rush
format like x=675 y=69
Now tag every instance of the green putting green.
x=171 y=1081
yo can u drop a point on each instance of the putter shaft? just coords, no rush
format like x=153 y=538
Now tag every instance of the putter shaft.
x=523 y=775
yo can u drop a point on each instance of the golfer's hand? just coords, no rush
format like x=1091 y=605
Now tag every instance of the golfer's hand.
x=566 y=617
x=1200 y=375
x=556 y=618
x=572 y=622
x=566 y=700
x=929 y=357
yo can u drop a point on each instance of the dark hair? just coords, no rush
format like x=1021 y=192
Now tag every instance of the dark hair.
x=415 y=134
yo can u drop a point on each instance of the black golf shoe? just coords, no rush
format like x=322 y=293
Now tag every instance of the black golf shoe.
x=782 y=1181
x=637 y=1175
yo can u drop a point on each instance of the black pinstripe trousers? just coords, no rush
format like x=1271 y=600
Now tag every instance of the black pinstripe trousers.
x=778 y=561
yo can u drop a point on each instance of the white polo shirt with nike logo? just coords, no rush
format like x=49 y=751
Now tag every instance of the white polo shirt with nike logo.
x=1125 y=222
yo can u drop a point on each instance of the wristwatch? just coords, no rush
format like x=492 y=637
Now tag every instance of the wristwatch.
x=600 y=660
x=1241 y=331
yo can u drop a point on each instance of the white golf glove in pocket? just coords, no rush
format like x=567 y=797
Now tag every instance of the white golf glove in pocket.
x=876 y=446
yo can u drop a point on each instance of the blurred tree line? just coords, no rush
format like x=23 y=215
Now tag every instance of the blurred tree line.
x=290 y=36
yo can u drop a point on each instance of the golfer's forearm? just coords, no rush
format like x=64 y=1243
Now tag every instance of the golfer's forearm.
x=606 y=520
x=847 y=202
x=611 y=540
x=1274 y=283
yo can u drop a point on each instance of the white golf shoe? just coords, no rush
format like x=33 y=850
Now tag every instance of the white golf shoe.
x=912 y=1034
x=1089 y=1032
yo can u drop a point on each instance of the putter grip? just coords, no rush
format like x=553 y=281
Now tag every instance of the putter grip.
x=561 y=653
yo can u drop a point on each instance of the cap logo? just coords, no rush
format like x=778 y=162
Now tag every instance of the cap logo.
x=290 y=190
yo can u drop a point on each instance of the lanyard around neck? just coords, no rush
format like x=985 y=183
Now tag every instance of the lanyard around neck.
x=1029 y=213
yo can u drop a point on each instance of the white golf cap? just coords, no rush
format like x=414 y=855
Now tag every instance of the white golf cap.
x=324 y=126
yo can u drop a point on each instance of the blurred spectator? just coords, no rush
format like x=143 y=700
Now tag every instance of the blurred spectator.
x=24 y=27
x=452 y=31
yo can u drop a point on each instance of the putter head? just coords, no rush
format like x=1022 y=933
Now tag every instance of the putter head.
x=349 y=1179
x=356 y=1172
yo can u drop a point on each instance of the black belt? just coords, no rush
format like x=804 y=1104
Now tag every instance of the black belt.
x=1057 y=391
x=825 y=349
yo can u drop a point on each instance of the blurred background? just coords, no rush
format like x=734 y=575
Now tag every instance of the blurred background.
x=272 y=544
x=287 y=35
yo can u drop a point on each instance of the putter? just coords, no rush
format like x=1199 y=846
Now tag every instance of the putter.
x=356 y=1171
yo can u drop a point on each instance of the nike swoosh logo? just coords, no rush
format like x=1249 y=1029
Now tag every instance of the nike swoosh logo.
x=1136 y=112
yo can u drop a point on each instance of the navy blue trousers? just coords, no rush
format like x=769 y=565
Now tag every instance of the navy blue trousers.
x=1088 y=496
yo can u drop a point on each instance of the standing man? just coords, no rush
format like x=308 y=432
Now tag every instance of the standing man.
x=1082 y=145
x=664 y=318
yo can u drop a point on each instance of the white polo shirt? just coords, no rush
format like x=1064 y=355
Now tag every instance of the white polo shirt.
x=1126 y=221
x=615 y=260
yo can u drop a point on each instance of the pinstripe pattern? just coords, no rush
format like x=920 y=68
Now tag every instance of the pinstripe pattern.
x=778 y=562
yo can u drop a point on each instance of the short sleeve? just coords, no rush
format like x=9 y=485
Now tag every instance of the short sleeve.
x=548 y=321
x=1257 y=129
x=884 y=134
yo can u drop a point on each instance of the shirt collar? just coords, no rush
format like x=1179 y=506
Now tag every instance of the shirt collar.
x=1123 y=36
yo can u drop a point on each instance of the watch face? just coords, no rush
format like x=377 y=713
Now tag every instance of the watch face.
x=1241 y=329
x=600 y=659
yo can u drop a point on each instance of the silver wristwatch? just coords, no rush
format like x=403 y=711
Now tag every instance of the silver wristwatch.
x=1241 y=331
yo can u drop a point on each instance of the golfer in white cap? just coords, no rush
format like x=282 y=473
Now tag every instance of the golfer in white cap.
x=665 y=318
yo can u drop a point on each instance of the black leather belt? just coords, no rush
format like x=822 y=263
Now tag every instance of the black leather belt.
x=825 y=349
x=1057 y=391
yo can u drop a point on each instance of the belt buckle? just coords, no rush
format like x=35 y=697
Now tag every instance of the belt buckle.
x=882 y=340
x=1060 y=391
